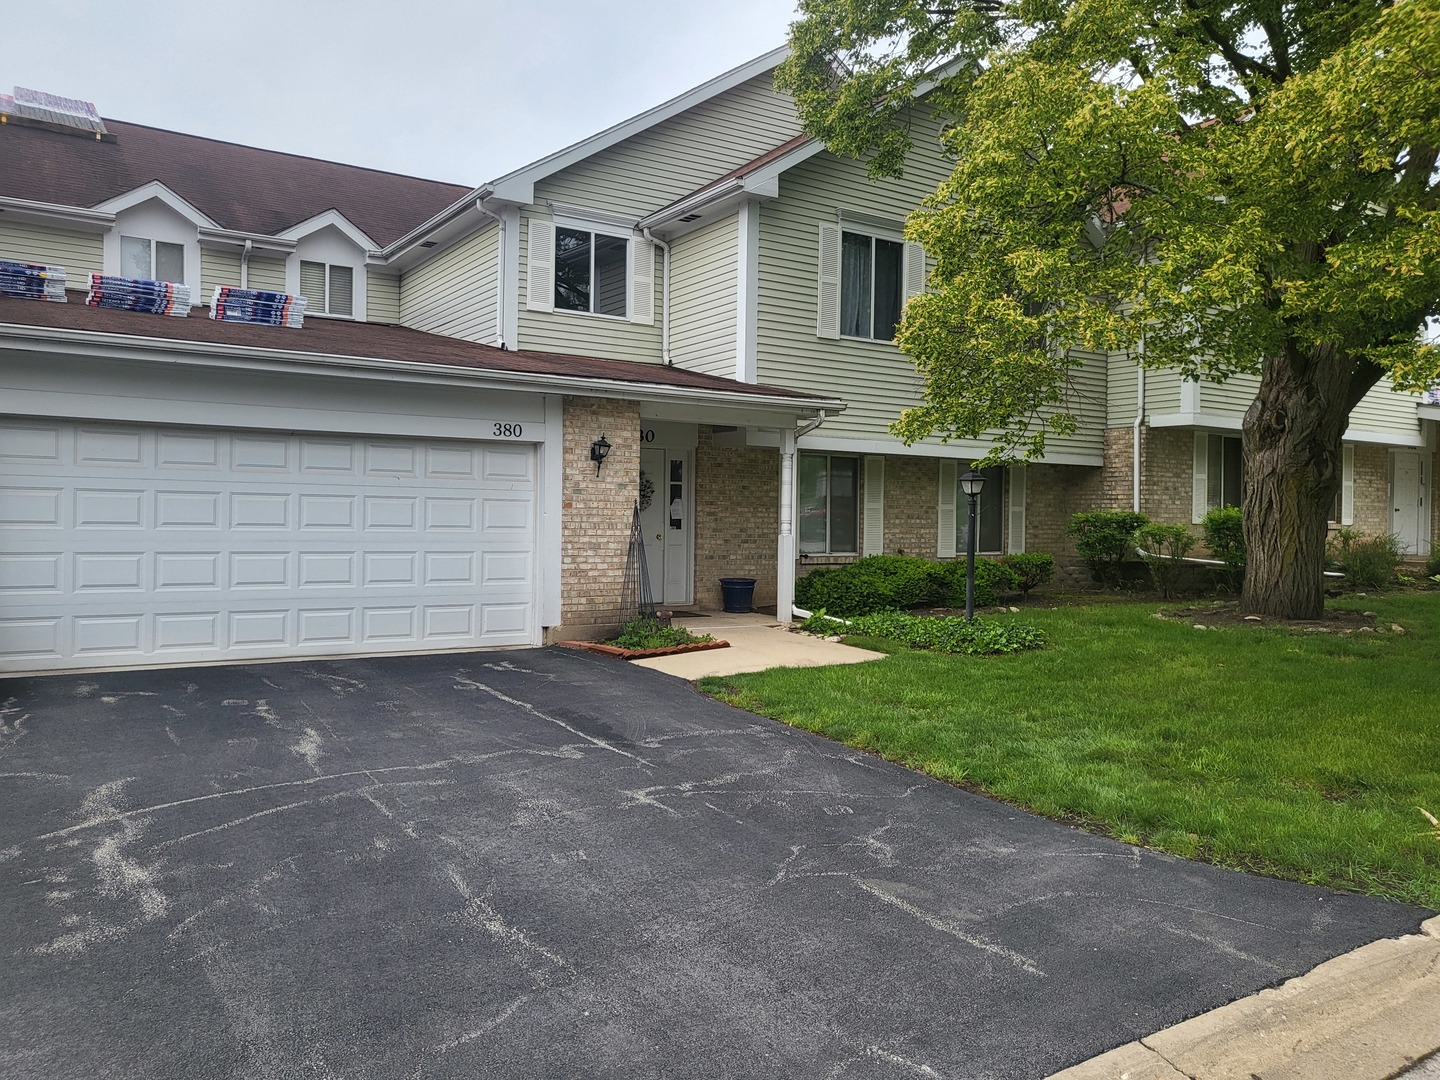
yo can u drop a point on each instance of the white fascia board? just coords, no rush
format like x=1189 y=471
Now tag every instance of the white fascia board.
x=69 y=217
x=332 y=218
x=519 y=185
x=1221 y=422
x=764 y=182
x=465 y=204
x=43 y=339
x=957 y=450
x=235 y=239
x=1428 y=412
x=156 y=190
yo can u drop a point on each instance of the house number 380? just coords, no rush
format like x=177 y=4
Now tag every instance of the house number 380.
x=507 y=431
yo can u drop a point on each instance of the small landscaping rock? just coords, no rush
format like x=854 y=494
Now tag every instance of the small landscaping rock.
x=1397 y=628
x=1199 y=626
x=1253 y=618
x=1370 y=614
x=1367 y=630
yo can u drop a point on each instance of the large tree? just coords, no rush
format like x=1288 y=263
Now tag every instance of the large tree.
x=1221 y=186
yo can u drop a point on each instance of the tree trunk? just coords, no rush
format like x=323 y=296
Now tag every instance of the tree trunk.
x=1292 y=451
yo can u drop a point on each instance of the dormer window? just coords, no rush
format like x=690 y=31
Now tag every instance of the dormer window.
x=329 y=289
x=152 y=260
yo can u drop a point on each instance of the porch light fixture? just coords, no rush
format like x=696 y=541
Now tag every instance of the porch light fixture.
x=971 y=484
x=599 y=451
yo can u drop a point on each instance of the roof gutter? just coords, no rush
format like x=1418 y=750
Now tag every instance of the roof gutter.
x=89 y=343
x=93 y=220
x=471 y=200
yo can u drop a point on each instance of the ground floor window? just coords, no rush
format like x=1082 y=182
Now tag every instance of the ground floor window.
x=1225 y=475
x=828 y=506
x=990 y=513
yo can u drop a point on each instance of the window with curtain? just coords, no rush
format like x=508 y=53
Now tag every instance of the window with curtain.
x=828 y=507
x=990 y=513
x=871 y=286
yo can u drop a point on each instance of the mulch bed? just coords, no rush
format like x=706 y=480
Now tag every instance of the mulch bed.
x=1335 y=621
x=641 y=654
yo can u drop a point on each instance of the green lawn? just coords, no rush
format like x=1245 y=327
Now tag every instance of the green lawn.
x=1303 y=756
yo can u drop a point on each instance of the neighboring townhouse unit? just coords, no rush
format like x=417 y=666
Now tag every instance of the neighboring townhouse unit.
x=702 y=285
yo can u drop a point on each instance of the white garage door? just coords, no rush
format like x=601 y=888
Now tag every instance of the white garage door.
x=126 y=545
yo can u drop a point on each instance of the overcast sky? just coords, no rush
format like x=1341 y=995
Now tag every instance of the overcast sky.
x=451 y=91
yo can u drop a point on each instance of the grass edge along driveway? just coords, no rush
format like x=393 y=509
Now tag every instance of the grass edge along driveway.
x=1301 y=756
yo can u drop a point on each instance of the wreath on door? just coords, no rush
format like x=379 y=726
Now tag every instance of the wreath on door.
x=647 y=490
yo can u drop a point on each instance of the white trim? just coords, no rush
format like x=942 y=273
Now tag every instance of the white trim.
x=334 y=219
x=235 y=240
x=550 y=469
x=872 y=537
x=584 y=219
x=1200 y=478
x=1220 y=422
x=519 y=185
x=763 y=182
x=1347 y=484
x=509 y=298
x=785 y=541
x=947 y=499
x=209 y=354
x=885 y=228
x=827 y=287
x=957 y=450
x=1015 y=509
x=73 y=218
x=1190 y=396
x=156 y=190
x=747 y=293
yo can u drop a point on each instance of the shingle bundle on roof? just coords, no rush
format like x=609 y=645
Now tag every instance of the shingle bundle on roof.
x=138 y=294
x=256 y=306
x=32 y=281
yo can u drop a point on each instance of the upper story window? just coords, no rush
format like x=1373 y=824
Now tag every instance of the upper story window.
x=590 y=272
x=989 y=514
x=152 y=260
x=829 y=505
x=328 y=288
x=871 y=286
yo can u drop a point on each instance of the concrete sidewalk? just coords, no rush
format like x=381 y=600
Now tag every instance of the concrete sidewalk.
x=756 y=642
x=1370 y=1014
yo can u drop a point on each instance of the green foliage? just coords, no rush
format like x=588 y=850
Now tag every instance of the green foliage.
x=646 y=632
x=1432 y=564
x=1368 y=561
x=952 y=634
x=1164 y=548
x=1224 y=532
x=874 y=583
x=1105 y=539
x=992 y=580
x=1029 y=569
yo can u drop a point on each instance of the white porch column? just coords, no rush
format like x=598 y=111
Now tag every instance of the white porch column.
x=785 y=555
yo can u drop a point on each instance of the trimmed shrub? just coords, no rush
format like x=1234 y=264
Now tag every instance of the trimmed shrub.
x=1432 y=564
x=953 y=634
x=874 y=583
x=1224 y=532
x=1029 y=569
x=992 y=579
x=1105 y=539
x=1164 y=547
x=1370 y=561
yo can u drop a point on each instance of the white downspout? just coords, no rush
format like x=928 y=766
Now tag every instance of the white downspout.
x=245 y=264
x=1135 y=447
x=664 y=295
x=785 y=608
x=499 y=271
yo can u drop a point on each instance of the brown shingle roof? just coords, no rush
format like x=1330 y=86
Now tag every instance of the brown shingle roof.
x=240 y=187
x=342 y=338
x=753 y=165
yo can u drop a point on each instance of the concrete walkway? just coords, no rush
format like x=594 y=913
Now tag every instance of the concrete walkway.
x=1370 y=1014
x=756 y=642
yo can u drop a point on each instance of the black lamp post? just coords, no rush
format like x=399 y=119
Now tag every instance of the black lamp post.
x=971 y=483
x=599 y=451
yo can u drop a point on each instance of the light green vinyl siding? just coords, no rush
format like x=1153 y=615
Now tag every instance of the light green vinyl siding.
x=586 y=335
x=216 y=268
x=79 y=253
x=1122 y=389
x=382 y=297
x=703 y=282
x=455 y=291
x=268 y=275
x=1383 y=409
x=673 y=158
x=1162 y=391
x=1230 y=398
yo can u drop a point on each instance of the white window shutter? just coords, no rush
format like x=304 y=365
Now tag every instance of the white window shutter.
x=874 y=539
x=540 y=277
x=1347 y=485
x=945 y=549
x=1016 y=543
x=642 y=281
x=827 y=318
x=1199 y=487
x=914 y=269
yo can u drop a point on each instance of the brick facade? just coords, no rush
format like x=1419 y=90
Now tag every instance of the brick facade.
x=737 y=519
x=1372 y=489
x=595 y=528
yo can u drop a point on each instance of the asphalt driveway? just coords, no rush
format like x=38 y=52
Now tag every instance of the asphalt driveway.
x=543 y=864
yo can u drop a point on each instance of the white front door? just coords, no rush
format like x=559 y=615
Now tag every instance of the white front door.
x=1407 y=493
x=665 y=518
